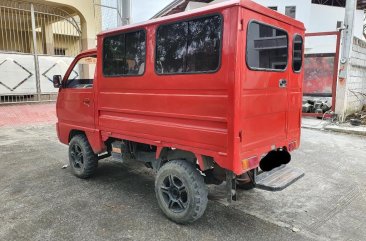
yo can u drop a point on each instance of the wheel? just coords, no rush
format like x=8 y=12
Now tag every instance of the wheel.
x=181 y=191
x=245 y=181
x=83 y=161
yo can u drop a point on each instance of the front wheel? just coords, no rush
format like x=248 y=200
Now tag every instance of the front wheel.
x=181 y=191
x=83 y=161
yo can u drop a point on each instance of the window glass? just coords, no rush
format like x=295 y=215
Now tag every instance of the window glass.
x=297 y=54
x=267 y=47
x=171 y=48
x=290 y=11
x=82 y=75
x=124 y=54
x=273 y=8
x=203 y=48
x=188 y=47
x=135 y=53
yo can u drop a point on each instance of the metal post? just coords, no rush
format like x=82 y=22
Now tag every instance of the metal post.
x=230 y=186
x=124 y=12
x=347 y=40
x=36 y=63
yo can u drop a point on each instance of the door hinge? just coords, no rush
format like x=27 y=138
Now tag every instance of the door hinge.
x=240 y=135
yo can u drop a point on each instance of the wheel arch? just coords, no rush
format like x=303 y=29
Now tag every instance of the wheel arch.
x=94 y=138
x=168 y=154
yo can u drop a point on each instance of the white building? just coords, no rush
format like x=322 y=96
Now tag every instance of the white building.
x=317 y=18
x=317 y=15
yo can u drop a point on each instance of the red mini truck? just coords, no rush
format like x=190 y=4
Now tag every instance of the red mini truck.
x=202 y=97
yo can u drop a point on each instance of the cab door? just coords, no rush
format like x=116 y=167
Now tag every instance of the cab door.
x=264 y=101
x=75 y=104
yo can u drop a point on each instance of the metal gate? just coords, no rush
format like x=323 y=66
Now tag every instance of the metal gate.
x=36 y=41
x=321 y=73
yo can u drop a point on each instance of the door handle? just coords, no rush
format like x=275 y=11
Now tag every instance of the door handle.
x=86 y=102
x=282 y=83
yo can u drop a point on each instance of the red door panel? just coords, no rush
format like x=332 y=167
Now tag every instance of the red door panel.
x=264 y=99
x=75 y=104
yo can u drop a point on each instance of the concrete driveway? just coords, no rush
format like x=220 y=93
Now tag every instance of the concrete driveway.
x=41 y=201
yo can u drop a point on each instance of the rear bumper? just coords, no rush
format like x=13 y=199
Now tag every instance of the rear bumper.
x=250 y=160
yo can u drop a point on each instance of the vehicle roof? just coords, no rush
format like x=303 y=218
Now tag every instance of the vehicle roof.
x=200 y=11
x=89 y=51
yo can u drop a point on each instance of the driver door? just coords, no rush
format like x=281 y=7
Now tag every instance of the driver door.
x=76 y=97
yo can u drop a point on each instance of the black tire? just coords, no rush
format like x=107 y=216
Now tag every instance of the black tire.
x=181 y=191
x=83 y=161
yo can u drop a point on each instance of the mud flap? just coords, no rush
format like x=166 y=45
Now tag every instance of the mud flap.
x=278 y=178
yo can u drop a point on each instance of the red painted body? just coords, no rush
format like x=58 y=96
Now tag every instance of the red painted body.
x=231 y=115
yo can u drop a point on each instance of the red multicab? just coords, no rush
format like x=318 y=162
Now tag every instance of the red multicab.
x=230 y=115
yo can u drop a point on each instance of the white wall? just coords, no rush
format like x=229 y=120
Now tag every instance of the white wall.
x=324 y=18
x=356 y=86
x=303 y=8
x=317 y=18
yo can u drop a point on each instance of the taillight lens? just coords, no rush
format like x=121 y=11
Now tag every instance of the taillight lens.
x=292 y=146
x=249 y=162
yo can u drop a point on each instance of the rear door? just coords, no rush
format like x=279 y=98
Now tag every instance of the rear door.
x=295 y=86
x=264 y=100
x=76 y=97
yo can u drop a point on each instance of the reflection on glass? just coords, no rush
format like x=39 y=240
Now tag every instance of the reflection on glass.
x=297 y=55
x=191 y=46
x=171 y=48
x=124 y=54
x=82 y=75
x=267 y=47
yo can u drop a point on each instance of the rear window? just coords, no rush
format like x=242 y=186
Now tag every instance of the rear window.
x=267 y=47
x=124 y=54
x=297 y=54
x=189 y=47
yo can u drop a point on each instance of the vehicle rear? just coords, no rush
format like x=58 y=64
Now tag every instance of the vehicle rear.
x=269 y=86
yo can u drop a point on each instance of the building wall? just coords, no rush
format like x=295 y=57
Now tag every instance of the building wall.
x=318 y=18
x=356 y=86
x=303 y=9
x=89 y=25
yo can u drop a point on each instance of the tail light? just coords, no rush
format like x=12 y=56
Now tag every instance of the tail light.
x=249 y=162
x=292 y=146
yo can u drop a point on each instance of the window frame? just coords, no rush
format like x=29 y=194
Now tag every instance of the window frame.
x=293 y=53
x=246 y=48
x=187 y=20
x=120 y=33
x=274 y=8
x=289 y=7
x=66 y=79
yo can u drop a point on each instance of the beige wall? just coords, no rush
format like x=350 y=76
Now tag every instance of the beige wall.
x=89 y=25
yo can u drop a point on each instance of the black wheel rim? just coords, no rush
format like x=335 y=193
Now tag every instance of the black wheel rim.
x=174 y=194
x=77 y=157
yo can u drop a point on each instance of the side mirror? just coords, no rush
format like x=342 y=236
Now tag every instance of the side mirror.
x=57 y=79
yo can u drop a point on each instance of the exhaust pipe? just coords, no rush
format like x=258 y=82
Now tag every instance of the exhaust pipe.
x=274 y=159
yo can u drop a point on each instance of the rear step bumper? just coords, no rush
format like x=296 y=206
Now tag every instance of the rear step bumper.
x=278 y=178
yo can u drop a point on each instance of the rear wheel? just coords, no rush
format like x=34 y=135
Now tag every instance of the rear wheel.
x=181 y=191
x=83 y=161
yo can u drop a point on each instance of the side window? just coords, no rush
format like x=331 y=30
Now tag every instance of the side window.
x=189 y=47
x=171 y=48
x=203 y=48
x=267 y=47
x=124 y=54
x=297 y=53
x=82 y=75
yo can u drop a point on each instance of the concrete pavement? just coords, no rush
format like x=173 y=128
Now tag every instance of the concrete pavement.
x=41 y=201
